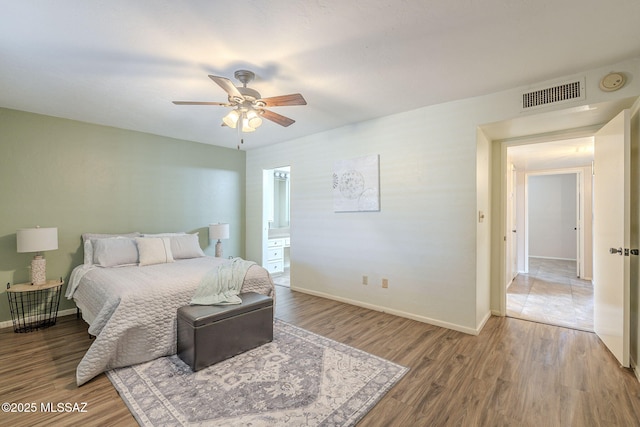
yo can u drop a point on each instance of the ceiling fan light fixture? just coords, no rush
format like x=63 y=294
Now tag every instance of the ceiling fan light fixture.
x=248 y=105
x=231 y=119
x=253 y=119
x=246 y=127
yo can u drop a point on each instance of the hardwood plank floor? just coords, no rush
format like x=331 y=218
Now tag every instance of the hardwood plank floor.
x=515 y=373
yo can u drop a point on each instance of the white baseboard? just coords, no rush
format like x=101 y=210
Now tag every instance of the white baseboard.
x=435 y=322
x=551 y=257
x=9 y=323
x=483 y=322
x=634 y=367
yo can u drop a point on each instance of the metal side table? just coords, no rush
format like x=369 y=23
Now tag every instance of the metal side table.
x=34 y=306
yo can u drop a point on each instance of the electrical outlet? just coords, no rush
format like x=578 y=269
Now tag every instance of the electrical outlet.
x=365 y=280
x=385 y=283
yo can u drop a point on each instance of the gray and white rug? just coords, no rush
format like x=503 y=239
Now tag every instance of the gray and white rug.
x=300 y=379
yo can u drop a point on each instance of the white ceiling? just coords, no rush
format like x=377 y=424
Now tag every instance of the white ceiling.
x=121 y=63
x=568 y=153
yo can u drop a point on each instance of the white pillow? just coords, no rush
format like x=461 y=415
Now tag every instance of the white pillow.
x=154 y=250
x=186 y=246
x=180 y=233
x=114 y=252
x=93 y=236
x=88 y=245
x=88 y=253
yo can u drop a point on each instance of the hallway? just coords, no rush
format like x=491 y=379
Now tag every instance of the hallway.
x=551 y=293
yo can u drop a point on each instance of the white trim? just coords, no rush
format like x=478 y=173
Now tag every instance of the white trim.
x=68 y=312
x=579 y=214
x=399 y=313
x=552 y=257
x=525 y=202
x=501 y=215
x=502 y=297
x=634 y=367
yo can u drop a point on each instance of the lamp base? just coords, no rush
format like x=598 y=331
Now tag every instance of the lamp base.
x=38 y=270
x=219 y=249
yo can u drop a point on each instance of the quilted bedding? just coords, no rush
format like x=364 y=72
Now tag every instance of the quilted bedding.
x=132 y=310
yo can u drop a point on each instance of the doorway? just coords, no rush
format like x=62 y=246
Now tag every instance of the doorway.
x=277 y=223
x=546 y=220
x=578 y=122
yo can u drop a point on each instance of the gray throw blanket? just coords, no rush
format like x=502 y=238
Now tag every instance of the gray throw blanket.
x=222 y=285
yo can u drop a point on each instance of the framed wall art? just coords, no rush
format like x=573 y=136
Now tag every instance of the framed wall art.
x=356 y=184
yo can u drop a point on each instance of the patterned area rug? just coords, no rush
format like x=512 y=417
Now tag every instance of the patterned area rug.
x=300 y=379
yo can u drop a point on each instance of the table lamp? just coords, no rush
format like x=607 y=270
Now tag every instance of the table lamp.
x=218 y=231
x=37 y=240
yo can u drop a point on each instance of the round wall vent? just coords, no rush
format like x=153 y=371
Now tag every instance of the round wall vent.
x=612 y=81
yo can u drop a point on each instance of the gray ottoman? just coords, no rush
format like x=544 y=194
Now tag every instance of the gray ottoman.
x=208 y=334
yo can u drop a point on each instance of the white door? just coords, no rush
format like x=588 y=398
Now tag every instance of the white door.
x=578 y=227
x=514 y=224
x=611 y=230
x=510 y=232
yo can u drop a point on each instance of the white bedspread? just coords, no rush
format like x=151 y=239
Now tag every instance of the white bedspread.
x=132 y=310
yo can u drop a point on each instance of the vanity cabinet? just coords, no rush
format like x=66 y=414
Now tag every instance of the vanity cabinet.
x=275 y=255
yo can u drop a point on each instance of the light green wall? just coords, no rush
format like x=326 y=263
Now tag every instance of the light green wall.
x=82 y=178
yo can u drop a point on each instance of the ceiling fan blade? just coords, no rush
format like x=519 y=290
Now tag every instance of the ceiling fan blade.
x=277 y=118
x=284 y=100
x=228 y=86
x=225 y=104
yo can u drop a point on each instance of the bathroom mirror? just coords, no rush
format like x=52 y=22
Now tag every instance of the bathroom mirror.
x=281 y=198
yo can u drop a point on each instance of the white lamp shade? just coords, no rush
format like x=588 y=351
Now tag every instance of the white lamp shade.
x=253 y=119
x=37 y=239
x=246 y=128
x=231 y=119
x=218 y=231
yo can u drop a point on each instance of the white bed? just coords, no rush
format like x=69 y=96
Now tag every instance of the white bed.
x=131 y=309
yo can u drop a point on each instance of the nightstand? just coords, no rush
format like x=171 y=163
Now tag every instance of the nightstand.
x=34 y=306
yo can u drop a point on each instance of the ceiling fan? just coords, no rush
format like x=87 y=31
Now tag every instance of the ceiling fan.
x=248 y=105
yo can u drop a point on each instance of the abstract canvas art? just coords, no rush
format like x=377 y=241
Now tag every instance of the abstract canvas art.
x=356 y=184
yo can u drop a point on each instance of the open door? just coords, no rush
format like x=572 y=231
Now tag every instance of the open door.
x=611 y=234
x=514 y=223
x=578 y=228
x=510 y=232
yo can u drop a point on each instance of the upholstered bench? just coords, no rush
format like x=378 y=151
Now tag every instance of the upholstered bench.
x=208 y=334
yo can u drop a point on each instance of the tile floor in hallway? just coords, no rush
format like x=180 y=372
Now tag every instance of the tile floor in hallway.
x=551 y=293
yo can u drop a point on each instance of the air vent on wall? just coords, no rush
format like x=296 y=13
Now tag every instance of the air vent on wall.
x=552 y=95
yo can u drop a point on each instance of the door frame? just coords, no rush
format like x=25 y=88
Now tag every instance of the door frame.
x=268 y=206
x=501 y=217
x=580 y=212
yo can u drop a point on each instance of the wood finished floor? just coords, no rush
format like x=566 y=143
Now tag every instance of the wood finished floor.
x=515 y=373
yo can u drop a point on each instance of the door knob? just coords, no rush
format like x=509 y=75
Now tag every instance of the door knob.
x=614 y=251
